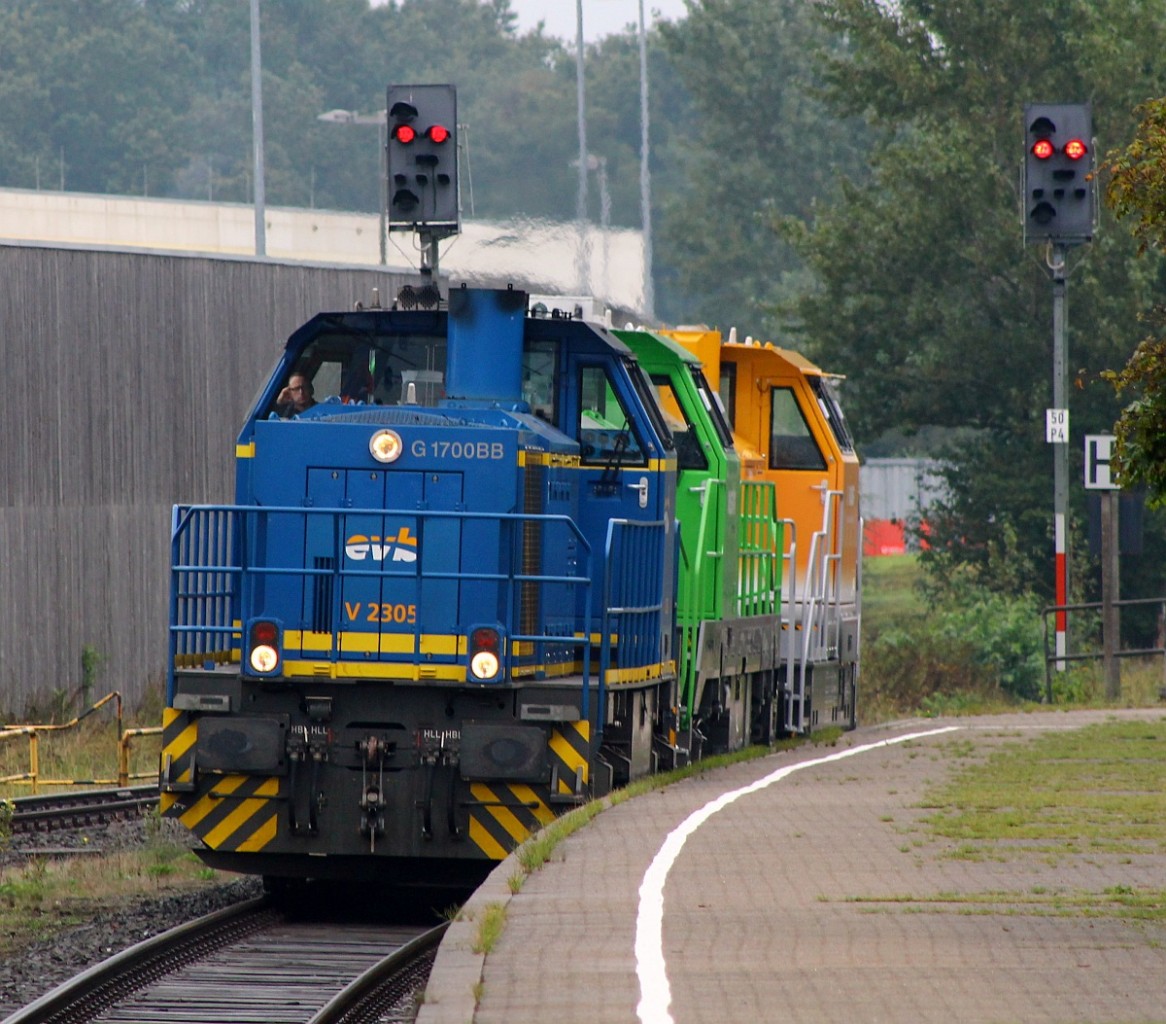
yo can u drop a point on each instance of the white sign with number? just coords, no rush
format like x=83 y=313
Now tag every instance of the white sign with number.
x=1098 y=451
x=1057 y=426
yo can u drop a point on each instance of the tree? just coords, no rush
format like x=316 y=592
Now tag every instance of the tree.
x=762 y=147
x=924 y=295
x=1137 y=189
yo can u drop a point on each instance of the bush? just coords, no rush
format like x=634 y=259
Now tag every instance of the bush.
x=975 y=644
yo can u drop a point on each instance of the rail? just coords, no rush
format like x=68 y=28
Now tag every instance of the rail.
x=33 y=733
x=1052 y=658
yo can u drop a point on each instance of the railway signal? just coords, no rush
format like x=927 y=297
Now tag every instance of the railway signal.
x=1059 y=195
x=422 y=158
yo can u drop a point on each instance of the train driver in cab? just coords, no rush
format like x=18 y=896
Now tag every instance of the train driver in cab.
x=296 y=397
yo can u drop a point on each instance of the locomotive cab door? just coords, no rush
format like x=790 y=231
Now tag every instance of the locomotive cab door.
x=625 y=471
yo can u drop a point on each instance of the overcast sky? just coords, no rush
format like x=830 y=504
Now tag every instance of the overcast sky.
x=600 y=17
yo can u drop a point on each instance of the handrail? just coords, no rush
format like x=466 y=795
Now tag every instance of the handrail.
x=212 y=574
x=633 y=593
x=33 y=731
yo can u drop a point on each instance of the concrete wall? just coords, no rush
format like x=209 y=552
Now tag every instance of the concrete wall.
x=123 y=381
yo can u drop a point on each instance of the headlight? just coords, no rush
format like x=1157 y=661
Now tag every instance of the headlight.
x=264 y=658
x=485 y=653
x=484 y=664
x=264 y=645
x=386 y=446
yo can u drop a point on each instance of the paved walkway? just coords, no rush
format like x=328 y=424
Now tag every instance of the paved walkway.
x=815 y=895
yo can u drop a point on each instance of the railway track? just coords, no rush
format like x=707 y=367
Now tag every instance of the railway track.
x=252 y=962
x=64 y=811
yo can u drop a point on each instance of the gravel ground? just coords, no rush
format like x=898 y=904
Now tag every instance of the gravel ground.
x=39 y=968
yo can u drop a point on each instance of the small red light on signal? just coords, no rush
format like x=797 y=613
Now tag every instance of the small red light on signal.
x=1075 y=149
x=404 y=133
x=1042 y=149
x=438 y=133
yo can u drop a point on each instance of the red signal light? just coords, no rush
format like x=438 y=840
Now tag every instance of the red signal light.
x=404 y=133
x=1075 y=149
x=1042 y=149
x=438 y=133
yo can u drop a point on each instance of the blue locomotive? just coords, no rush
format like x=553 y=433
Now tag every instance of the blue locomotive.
x=457 y=593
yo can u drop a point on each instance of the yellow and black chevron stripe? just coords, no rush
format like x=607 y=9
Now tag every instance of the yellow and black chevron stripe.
x=570 y=748
x=508 y=813
x=505 y=814
x=179 y=734
x=238 y=813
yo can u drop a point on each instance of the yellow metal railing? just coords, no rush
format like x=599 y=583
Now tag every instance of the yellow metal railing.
x=32 y=777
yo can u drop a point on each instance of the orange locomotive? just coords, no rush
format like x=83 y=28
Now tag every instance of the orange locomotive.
x=788 y=427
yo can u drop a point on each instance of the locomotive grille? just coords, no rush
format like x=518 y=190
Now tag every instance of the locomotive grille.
x=320 y=612
x=532 y=536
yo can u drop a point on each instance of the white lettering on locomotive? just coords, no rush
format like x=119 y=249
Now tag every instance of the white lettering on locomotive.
x=400 y=547
x=477 y=450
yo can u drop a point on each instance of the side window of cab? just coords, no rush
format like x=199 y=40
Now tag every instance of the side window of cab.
x=605 y=430
x=791 y=442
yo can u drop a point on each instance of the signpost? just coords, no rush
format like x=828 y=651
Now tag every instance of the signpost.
x=1059 y=212
x=1098 y=449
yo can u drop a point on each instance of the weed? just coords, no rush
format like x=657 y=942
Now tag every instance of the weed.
x=92 y=665
x=1096 y=788
x=7 y=810
x=490 y=927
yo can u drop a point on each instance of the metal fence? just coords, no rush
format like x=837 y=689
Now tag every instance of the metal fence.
x=123 y=381
x=1109 y=650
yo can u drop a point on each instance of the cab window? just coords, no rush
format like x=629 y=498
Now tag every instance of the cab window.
x=727 y=388
x=540 y=379
x=689 y=454
x=365 y=369
x=827 y=393
x=791 y=443
x=605 y=431
x=714 y=406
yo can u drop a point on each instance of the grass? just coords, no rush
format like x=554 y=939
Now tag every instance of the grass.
x=889 y=592
x=82 y=755
x=42 y=895
x=490 y=926
x=1093 y=790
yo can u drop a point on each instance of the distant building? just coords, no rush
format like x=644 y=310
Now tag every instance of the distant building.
x=540 y=256
x=896 y=494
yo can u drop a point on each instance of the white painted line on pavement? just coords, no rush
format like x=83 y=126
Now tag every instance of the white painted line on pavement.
x=655 y=993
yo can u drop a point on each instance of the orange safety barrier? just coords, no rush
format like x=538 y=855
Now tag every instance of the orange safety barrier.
x=884 y=537
x=33 y=732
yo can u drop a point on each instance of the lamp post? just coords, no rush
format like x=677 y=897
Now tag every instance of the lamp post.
x=598 y=166
x=645 y=176
x=380 y=119
x=581 y=257
x=256 y=134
